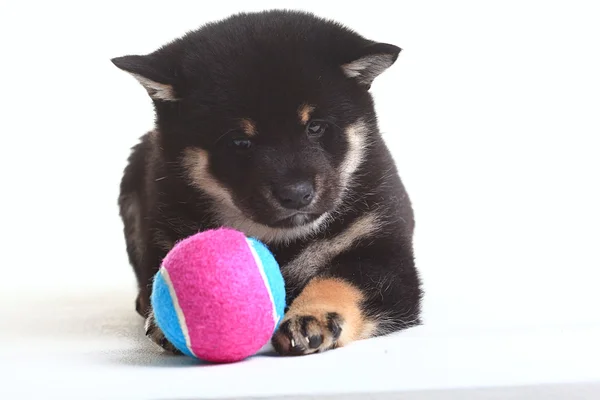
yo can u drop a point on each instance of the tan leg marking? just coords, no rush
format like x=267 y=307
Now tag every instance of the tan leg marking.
x=327 y=314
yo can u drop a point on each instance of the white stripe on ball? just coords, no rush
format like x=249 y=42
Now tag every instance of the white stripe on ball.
x=178 y=310
x=260 y=266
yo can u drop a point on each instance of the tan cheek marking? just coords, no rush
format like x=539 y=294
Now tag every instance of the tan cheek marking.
x=248 y=126
x=304 y=112
x=357 y=143
x=196 y=163
x=323 y=296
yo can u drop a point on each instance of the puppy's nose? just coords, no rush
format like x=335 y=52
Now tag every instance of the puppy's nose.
x=295 y=195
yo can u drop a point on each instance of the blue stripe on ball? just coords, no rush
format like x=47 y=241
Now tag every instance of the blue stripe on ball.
x=166 y=315
x=276 y=285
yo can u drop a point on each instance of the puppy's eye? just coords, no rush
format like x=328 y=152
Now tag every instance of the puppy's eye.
x=241 y=143
x=316 y=128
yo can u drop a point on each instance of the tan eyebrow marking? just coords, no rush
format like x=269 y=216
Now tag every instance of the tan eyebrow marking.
x=304 y=112
x=248 y=126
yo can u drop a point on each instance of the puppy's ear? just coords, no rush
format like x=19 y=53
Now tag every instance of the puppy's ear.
x=373 y=59
x=147 y=70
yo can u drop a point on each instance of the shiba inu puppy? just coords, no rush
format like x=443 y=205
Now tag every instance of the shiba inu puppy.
x=265 y=124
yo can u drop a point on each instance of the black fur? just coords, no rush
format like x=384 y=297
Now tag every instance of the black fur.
x=263 y=67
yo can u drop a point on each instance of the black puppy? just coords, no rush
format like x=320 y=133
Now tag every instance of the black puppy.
x=264 y=123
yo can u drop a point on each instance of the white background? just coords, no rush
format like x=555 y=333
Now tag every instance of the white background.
x=491 y=111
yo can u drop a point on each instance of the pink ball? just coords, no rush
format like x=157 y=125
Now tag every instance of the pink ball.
x=219 y=296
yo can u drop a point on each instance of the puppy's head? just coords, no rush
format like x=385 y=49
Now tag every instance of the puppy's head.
x=268 y=113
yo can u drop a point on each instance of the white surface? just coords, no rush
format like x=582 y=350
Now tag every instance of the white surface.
x=89 y=345
x=491 y=112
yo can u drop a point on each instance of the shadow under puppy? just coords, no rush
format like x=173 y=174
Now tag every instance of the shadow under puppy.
x=265 y=123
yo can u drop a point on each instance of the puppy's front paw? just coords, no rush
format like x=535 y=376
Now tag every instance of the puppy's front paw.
x=156 y=335
x=327 y=314
x=308 y=333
